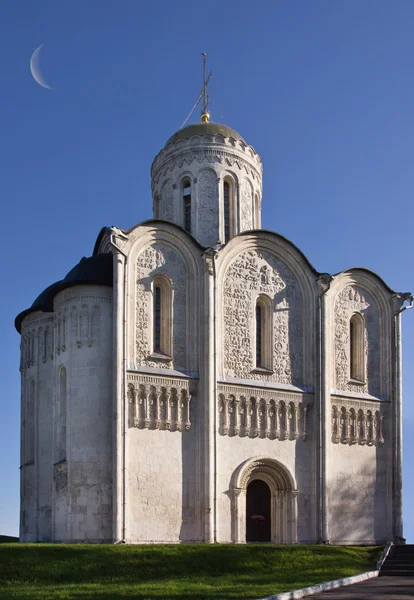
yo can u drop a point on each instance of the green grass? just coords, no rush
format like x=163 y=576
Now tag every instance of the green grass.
x=8 y=539
x=172 y=572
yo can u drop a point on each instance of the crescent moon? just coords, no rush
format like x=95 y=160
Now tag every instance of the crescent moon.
x=35 y=69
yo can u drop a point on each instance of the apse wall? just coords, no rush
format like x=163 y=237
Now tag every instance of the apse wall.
x=82 y=469
x=37 y=392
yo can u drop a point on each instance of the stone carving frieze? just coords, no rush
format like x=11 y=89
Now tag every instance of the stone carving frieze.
x=255 y=416
x=85 y=324
x=166 y=161
x=250 y=274
x=159 y=405
x=36 y=340
x=246 y=206
x=357 y=426
x=160 y=259
x=350 y=300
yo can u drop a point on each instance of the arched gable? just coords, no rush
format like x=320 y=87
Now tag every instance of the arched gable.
x=162 y=250
x=255 y=264
x=361 y=292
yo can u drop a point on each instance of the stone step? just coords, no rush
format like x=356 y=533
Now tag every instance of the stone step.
x=403 y=559
x=396 y=573
x=399 y=562
x=397 y=566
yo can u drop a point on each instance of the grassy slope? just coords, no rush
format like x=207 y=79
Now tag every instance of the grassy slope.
x=175 y=572
x=8 y=539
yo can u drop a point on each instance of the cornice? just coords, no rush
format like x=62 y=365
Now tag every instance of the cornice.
x=209 y=154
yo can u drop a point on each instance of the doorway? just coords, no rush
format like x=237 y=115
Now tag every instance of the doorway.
x=258 y=500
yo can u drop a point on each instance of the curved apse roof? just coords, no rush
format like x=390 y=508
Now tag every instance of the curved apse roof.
x=208 y=128
x=96 y=270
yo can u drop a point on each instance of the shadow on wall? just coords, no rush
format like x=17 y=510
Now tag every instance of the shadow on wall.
x=358 y=501
x=190 y=509
x=305 y=470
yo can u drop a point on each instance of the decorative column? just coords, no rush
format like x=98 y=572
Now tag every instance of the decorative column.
x=210 y=409
x=398 y=303
x=323 y=402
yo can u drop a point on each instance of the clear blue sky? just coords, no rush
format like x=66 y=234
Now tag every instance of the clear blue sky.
x=323 y=90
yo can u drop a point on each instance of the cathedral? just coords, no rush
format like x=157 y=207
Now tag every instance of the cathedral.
x=197 y=380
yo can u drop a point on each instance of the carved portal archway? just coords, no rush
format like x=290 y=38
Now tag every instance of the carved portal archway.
x=283 y=502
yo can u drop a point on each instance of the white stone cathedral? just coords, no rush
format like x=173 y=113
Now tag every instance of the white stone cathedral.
x=197 y=380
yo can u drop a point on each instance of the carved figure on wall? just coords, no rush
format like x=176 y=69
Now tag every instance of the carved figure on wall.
x=160 y=259
x=248 y=275
x=348 y=302
x=246 y=208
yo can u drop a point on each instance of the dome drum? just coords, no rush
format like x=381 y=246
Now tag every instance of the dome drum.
x=208 y=181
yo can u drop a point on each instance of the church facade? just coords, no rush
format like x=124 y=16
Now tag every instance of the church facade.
x=197 y=380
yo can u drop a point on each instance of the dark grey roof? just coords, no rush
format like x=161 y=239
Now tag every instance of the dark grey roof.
x=208 y=128
x=96 y=270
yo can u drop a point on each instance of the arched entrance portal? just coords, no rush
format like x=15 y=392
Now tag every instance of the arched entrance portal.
x=263 y=487
x=258 y=512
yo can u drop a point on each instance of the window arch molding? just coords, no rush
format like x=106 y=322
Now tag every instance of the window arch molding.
x=186 y=188
x=229 y=187
x=357 y=347
x=263 y=322
x=162 y=294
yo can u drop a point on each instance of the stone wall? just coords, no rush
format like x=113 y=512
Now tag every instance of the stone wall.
x=37 y=428
x=360 y=475
x=163 y=454
x=83 y=478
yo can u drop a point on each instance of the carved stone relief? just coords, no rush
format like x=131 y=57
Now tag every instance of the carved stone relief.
x=253 y=416
x=246 y=206
x=167 y=206
x=250 y=274
x=208 y=208
x=357 y=426
x=165 y=407
x=85 y=324
x=160 y=259
x=349 y=301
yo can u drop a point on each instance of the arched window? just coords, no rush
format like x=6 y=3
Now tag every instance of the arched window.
x=187 y=204
x=162 y=321
x=259 y=332
x=226 y=207
x=157 y=206
x=357 y=347
x=61 y=417
x=264 y=328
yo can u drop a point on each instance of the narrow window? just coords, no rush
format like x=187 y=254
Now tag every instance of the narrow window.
x=264 y=333
x=259 y=362
x=157 y=319
x=187 y=204
x=357 y=347
x=157 y=207
x=226 y=196
x=162 y=319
